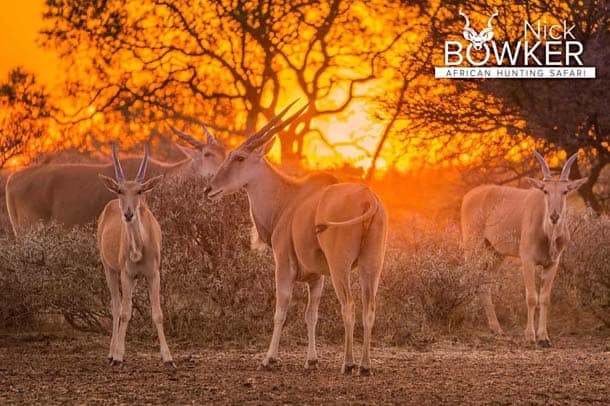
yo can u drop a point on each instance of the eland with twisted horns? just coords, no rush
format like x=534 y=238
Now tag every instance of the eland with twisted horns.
x=317 y=228
x=129 y=240
x=525 y=223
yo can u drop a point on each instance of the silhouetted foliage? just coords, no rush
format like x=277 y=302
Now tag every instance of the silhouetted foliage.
x=24 y=109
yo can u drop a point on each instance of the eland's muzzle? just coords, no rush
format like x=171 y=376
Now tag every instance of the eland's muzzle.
x=554 y=218
x=128 y=215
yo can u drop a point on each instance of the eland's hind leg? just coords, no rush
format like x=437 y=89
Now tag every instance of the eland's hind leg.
x=369 y=281
x=491 y=266
x=370 y=265
x=311 y=318
x=340 y=277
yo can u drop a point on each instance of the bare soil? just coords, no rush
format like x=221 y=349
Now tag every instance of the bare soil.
x=51 y=369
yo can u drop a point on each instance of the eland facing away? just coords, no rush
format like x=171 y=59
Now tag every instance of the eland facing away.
x=71 y=194
x=315 y=227
x=527 y=223
x=129 y=240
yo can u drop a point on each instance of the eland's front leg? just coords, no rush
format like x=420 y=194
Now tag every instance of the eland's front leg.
x=157 y=316
x=128 y=285
x=284 y=282
x=548 y=276
x=113 y=281
x=531 y=299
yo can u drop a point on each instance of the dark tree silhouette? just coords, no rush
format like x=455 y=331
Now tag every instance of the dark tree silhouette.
x=487 y=124
x=24 y=109
x=226 y=63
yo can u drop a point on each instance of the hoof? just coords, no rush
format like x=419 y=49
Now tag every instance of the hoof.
x=109 y=360
x=169 y=364
x=347 y=369
x=363 y=371
x=116 y=363
x=545 y=343
x=269 y=364
x=311 y=364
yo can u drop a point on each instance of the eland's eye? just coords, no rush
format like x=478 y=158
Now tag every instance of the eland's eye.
x=207 y=155
x=139 y=192
x=119 y=192
x=545 y=192
x=239 y=158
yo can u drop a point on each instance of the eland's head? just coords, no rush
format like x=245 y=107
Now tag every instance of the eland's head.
x=241 y=165
x=556 y=190
x=478 y=39
x=207 y=156
x=129 y=192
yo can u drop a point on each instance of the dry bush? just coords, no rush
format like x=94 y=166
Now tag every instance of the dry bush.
x=216 y=289
x=214 y=286
x=51 y=271
x=587 y=263
x=426 y=287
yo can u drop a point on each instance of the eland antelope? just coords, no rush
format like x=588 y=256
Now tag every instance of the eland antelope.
x=315 y=227
x=527 y=223
x=129 y=240
x=71 y=194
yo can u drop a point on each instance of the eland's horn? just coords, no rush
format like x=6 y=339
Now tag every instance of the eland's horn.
x=565 y=172
x=187 y=137
x=208 y=135
x=273 y=126
x=545 y=168
x=118 y=170
x=143 y=165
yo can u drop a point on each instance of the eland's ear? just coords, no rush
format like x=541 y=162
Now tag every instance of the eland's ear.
x=109 y=183
x=150 y=184
x=538 y=184
x=576 y=184
x=265 y=148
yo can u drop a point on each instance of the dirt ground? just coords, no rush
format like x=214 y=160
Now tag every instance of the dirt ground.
x=51 y=369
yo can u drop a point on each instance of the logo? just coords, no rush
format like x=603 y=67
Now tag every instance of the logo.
x=478 y=40
x=544 y=51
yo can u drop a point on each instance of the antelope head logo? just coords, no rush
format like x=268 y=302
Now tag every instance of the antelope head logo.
x=479 y=39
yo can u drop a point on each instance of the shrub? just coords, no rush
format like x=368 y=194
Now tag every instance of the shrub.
x=587 y=262
x=216 y=289
x=52 y=271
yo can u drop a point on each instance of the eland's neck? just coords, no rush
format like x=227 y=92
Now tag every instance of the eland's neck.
x=180 y=170
x=554 y=232
x=135 y=235
x=268 y=195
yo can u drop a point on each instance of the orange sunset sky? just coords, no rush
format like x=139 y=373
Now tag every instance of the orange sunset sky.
x=20 y=43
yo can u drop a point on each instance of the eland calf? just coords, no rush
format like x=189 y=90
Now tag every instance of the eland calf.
x=316 y=227
x=129 y=240
x=525 y=223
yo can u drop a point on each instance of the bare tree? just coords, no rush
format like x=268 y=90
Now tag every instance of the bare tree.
x=228 y=63
x=489 y=124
